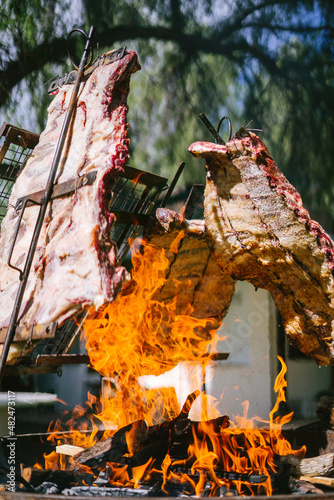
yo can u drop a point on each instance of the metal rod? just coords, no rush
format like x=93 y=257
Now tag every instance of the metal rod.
x=173 y=184
x=195 y=195
x=44 y=203
x=212 y=130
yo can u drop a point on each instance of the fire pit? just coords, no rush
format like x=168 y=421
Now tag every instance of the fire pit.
x=77 y=480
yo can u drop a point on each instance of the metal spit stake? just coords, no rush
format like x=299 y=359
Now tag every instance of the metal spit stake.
x=215 y=132
x=44 y=203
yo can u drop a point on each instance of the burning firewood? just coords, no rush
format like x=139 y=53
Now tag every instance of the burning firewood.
x=112 y=449
x=63 y=478
x=130 y=438
x=180 y=456
x=322 y=465
x=259 y=231
x=141 y=442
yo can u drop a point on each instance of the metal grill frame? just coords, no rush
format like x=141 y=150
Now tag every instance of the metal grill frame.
x=16 y=146
x=135 y=195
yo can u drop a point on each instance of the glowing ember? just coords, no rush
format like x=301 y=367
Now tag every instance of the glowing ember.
x=136 y=335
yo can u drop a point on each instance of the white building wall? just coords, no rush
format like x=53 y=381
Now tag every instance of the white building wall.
x=250 y=370
x=306 y=383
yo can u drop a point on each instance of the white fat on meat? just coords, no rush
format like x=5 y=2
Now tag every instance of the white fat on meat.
x=75 y=264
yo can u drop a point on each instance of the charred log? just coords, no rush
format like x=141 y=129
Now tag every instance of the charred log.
x=306 y=486
x=62 y=478
x=115 y=447
x=112 y=449
x=175 y=442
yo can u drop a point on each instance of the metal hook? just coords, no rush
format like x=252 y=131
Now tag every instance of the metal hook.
x=82 y=32
x=229 y=126
x=252 y=129
x=215 y=132
x=97 y=54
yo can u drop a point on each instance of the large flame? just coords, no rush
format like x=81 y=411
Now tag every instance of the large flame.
x=137 y=335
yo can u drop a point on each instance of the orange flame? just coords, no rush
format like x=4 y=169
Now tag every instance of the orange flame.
x=55 y=461
x=137 y=335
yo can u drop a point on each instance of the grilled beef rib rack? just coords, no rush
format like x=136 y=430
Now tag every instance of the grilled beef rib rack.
x=259 y=231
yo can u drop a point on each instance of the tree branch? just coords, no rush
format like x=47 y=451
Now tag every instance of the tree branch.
x=16 y=70
x=288 y=28
x=228 y=27
x=55 y=51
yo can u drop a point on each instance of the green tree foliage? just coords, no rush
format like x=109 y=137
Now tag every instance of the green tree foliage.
x=270 y=61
